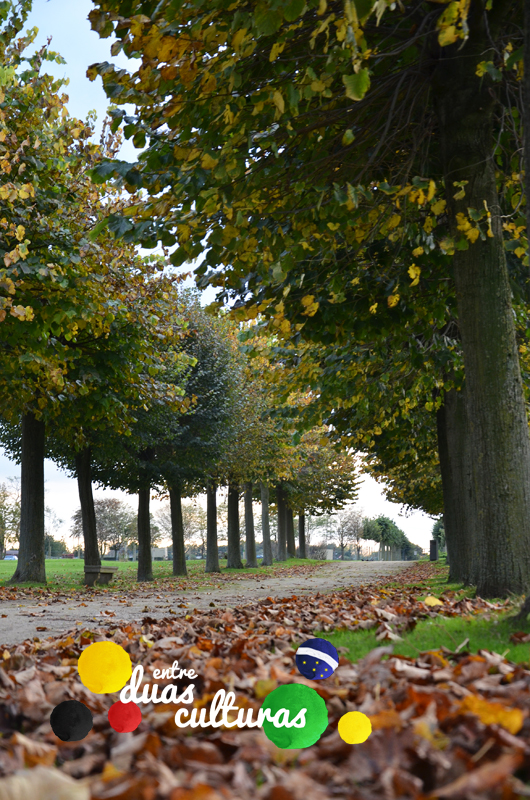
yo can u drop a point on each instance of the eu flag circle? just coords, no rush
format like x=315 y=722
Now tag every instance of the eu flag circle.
x=317 y=659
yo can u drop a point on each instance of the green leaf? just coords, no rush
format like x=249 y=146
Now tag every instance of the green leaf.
x=266 y=21
x=293 y=9
x=356 y=85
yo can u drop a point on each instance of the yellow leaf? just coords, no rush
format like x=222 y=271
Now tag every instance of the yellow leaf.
x=307 y=300
x=76 y=132
x=355 y=281
x=20 y=232
x=393 y=300
x=438 y=207
x=394 y=221
x=264 y=687
x=373 y=308
x=207 y=162
x=333 y=226
x=276 y=49
x=472 y=234
x=323 y=4
x=318 y=86
x=493 y=713
x=432 y=189
x=430 y=600
x=209 y=83
x=279 y=101
x=324 y=442
x=238 y=38
x=414 y=273
x=418 y=251
x=519 y=252
x=447 y=36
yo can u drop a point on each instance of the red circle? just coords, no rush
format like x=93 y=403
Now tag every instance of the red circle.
x=124 y=717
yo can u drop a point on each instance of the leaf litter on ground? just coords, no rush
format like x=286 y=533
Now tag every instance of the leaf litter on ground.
x=446 y=724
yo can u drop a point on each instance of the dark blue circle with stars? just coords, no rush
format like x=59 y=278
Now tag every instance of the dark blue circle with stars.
x=317 y=659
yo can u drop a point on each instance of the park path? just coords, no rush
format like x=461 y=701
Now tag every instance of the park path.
x=25 y=619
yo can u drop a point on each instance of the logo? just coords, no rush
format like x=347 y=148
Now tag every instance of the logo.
x=292 y=716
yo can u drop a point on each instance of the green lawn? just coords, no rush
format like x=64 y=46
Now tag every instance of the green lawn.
x=450 y=632
x=66 y=574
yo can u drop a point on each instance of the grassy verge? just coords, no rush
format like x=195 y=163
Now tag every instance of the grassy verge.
x=65 y=574
x=484 y=634
x=487 y=631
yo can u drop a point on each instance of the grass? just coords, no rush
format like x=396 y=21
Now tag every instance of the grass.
x=483 y=634
x=66 y=574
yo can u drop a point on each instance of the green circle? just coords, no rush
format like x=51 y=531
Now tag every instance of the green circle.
x=295 y=697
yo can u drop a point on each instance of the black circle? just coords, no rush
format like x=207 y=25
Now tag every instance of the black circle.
x=71 y=721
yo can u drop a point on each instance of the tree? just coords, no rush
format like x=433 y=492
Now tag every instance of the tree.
x=326 y=154
x=9 y=514
x=115 y=524
x=349 y=530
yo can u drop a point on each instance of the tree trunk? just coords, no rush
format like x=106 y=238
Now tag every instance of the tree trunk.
x=265 y=527
x=498 y=430
x=31 y=556
x=456 y=467
x=250 y=536
x=212 y=551
x=145 y=565
x=234 y=542
x=301 y=535
x=289 y=532
x=86 y=501
x=177 y=531
x=282 y=541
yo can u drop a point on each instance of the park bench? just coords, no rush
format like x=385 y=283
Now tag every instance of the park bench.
x=101 y=574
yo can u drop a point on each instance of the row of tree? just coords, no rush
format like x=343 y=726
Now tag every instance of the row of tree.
x=356 y=176
x=108 y=367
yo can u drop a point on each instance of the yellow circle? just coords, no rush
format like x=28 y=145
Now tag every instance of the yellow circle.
x=104 y=667
x=354 y=727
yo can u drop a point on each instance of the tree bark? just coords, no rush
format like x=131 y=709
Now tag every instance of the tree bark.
x=31 y=553
x=282 y=540
x=250 y=536
x=234 y=541
x=265 y=527
x=86 y=501
x=289 y=532
x=498 y=429
x=145 y=564
x=212 y=550
x=301 y=535
x=456 y=467
x=177 y=531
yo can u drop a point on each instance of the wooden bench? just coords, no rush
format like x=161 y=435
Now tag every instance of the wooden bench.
x=102 y=574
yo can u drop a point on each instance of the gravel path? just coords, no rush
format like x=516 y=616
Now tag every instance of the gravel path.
x=23 y=620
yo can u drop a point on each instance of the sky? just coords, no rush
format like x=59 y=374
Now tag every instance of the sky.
x=66 y=21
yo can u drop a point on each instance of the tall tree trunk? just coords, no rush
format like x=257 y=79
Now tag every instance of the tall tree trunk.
x=31 y=555
x=301 y=535
x=250 y=536
x=289 y=532
x=145 y=564
x=265 y=527
x=498 y=429
x=86 y=501
x=456 y=467
x=234 y=541
x=177 y=531
x=212 y=550
x=282 y=540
